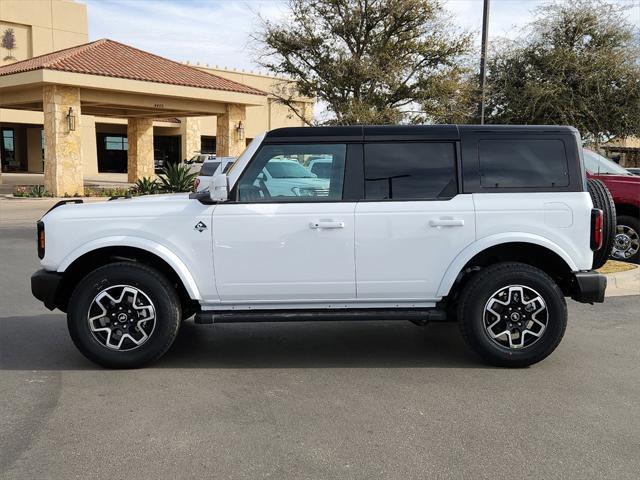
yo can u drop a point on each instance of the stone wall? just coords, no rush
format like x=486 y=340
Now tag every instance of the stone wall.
x=227 y=142
x=63 y=158
x=140 y=154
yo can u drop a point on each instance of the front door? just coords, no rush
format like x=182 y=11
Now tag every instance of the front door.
x=412 y=222
x=287 y=237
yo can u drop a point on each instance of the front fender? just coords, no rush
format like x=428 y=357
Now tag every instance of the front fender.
x=144 y=244
x=484 y=243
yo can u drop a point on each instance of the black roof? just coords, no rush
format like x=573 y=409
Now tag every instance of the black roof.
x=355 y=133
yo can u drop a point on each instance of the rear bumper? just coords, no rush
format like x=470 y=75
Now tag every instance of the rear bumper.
x=589 y=287
x=45 y=286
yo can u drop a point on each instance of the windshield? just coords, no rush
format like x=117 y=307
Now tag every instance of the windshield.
x=599 y=165
x=288 y=170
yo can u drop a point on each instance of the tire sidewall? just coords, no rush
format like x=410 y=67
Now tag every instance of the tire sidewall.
x=474 y=322
x=147 y=281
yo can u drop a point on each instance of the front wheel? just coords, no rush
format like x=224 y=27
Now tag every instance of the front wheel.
x=512 y=314
x=124 y=315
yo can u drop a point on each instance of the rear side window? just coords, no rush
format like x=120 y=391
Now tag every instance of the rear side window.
x=209 y=168
x=409 y=171
x=520 y=163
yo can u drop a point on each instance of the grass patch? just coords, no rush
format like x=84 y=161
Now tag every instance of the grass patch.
x=614 y=266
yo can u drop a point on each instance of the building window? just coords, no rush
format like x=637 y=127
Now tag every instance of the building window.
x=116 y=142
x=207 y=144
x=42 y=144
x=7 y=151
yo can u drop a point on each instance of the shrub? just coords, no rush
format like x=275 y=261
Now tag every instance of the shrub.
x=177 y=178
x=146 y=186
x=33 y=191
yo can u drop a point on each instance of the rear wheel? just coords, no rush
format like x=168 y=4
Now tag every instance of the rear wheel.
x=512 y=314
x=602 y=199
x=626 y=245
x=124 y=315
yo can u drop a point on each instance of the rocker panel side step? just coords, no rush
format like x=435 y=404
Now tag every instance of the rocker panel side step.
x=419 y=316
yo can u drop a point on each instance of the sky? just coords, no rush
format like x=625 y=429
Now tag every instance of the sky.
x=218 y=32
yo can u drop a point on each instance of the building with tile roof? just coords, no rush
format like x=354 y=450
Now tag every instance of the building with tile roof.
x=72 y=108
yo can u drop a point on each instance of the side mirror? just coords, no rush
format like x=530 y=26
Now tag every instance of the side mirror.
x=219 y=190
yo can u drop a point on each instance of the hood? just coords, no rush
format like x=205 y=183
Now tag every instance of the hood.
x=142 y=206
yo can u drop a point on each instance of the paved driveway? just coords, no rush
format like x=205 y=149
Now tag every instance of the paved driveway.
x=319 y=401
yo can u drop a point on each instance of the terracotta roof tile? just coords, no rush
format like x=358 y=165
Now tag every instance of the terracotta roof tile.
x=113 y=59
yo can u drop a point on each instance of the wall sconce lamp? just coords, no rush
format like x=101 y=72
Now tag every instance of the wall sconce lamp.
x=240 y=130
x=71 y=120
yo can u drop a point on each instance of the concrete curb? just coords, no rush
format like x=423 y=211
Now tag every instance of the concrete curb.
x=623 y=283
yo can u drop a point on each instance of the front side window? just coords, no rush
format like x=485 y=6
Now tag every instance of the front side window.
x=523 y=163
x=409 y=171
x=282 y=173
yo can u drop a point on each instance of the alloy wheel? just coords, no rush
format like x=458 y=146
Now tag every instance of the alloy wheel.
x=516 y=316
x=121 y=317
x=626 y=243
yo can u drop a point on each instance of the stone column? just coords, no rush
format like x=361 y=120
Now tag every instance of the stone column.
x=191 y=136
x=140 y=153
x=227 y=142
x=62 y=152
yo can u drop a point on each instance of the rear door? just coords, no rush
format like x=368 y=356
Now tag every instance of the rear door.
x=412 y=222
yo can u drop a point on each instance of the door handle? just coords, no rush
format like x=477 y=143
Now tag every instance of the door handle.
x=446 y=222
x=324 y=224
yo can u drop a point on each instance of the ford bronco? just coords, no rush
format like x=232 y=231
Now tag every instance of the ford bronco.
x=488 y=226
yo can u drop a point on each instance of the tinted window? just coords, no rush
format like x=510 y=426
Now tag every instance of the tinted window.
x=280 y=173
x=404 y=171
x=523 y=163
x=209 y=168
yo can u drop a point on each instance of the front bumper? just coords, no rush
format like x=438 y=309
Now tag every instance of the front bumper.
x=45 y=286
x=589 y=287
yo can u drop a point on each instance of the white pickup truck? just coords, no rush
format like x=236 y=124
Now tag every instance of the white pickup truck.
x=488 y=226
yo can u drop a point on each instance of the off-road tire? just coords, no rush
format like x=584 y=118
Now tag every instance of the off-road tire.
x=602 y=199
x=149 y=281
x=482 y=286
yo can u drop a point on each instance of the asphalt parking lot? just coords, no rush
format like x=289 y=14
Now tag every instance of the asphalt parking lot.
x=320 y=401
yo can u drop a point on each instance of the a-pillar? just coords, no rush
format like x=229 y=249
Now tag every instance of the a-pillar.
x=62 y=137
x=140 y=153
x=228 y=142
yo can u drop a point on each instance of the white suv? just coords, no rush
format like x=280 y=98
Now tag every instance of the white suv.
x=489 y=226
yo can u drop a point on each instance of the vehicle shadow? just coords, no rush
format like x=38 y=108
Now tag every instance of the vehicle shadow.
x=42 y=343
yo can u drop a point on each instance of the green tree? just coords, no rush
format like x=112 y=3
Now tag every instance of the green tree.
x=577 y=63
x=367 y=61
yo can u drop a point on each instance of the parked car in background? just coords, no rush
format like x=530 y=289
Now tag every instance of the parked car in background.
x=634 y=171
x=159 y=160
x=283 y=177
x=321 y=167
x=209 y=168
x=625 y=190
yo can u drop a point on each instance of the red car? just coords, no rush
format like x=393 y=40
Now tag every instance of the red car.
x=625 y=189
